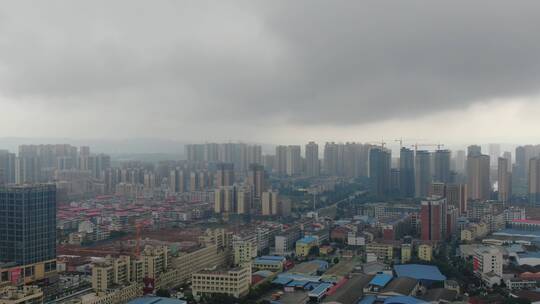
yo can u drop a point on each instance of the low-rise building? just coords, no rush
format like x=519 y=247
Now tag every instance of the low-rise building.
x=516 y=284
x=244 y=251
x=383 y=251
x=355 y=239
x=488 y=260
x=406 y=253
x=305 y=244
x=118 y=295
x=234 y=282
x=425 y=252
x=474 y=231
x=272 y=263
x=21 y=295
x=110 y=272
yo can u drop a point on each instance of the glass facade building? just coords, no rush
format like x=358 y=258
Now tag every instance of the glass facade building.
x=27 y=223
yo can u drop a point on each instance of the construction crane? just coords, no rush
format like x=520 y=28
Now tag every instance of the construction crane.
x=439 y=145
x=138 y=229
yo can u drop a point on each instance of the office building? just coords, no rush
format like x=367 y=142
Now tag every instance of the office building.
x=28 y=224
x=422 y=173
x=534 y=181
x=478 y=182
x=504 y=180
x=406 y=172
x=379 y=170
x=433 y=218
x=313 y=168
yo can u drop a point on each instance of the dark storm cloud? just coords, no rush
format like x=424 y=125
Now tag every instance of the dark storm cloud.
x=310 y=62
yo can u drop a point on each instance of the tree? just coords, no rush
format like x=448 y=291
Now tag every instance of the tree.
x=164 y=293
x=336 y=260
x=221 y=298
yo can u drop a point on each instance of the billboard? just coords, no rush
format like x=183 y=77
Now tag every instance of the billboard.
x=15 y=275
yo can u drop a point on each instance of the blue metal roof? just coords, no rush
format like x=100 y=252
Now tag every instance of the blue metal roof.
x=367 y=300
x=280 y=280
x=287 y=277
x=381 y=280
x=403 y=300
x=312 y=285
x=156 y=300
x=307 y=239
x=321 y=289
x=419 y=272
x=272 y=257
x=297 y=284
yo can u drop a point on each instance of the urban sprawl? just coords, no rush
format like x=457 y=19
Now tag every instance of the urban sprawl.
x=230 y=223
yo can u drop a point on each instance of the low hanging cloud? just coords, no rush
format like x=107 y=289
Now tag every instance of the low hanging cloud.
x=191 y=64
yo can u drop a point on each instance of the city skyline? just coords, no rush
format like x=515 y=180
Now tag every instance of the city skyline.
x=265 y=152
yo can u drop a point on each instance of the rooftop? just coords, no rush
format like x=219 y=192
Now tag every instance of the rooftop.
x=419 y=272
x=381 y=280
x=403 y=286
x=307 y=239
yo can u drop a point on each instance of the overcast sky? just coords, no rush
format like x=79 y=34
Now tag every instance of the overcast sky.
x=271 y=71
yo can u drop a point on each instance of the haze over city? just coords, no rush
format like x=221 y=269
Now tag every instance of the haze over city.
x=269 y=152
